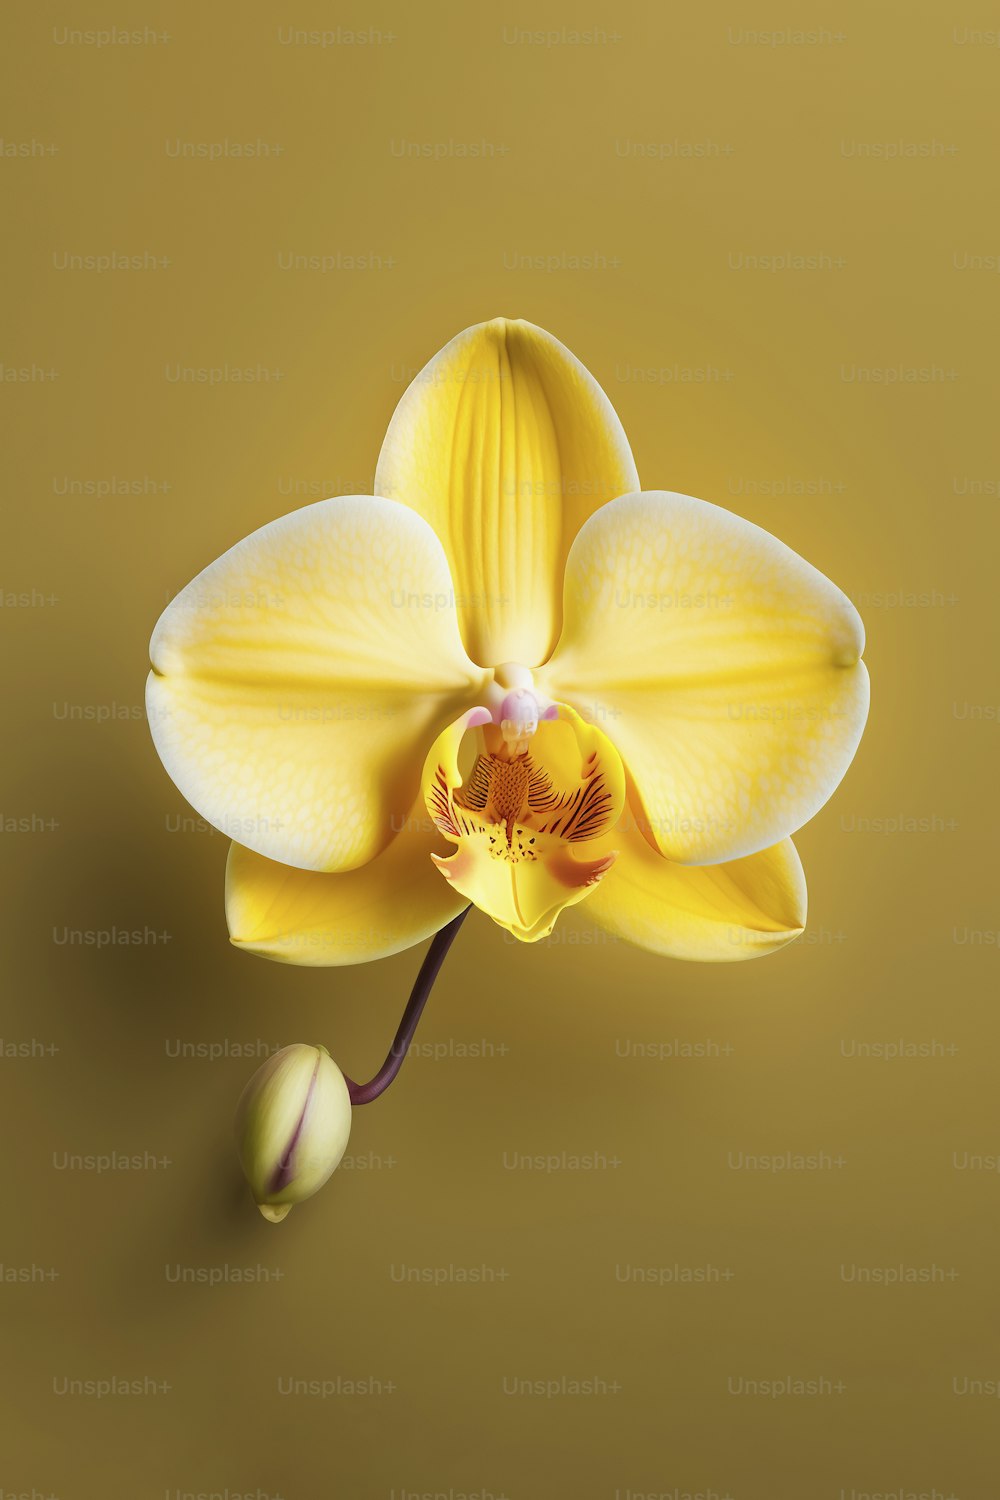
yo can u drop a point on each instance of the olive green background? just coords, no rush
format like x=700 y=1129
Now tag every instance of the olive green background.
x=591 y=1326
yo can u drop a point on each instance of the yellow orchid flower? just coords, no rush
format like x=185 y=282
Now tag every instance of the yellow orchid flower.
x=510 y=678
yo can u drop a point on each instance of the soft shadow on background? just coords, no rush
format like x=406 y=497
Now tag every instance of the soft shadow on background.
x=772 y=241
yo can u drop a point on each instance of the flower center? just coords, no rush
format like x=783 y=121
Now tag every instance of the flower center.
x=515 y=709
x=527 y=820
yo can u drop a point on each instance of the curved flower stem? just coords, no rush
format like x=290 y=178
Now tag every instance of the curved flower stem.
x=364 y=1093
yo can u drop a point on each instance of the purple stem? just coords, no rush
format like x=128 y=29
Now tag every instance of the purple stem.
x=364 y=1093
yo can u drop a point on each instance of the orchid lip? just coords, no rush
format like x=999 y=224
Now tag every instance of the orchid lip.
x=543 y=787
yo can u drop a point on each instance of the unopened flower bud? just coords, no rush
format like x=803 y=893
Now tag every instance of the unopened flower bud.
x=292 y=1126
